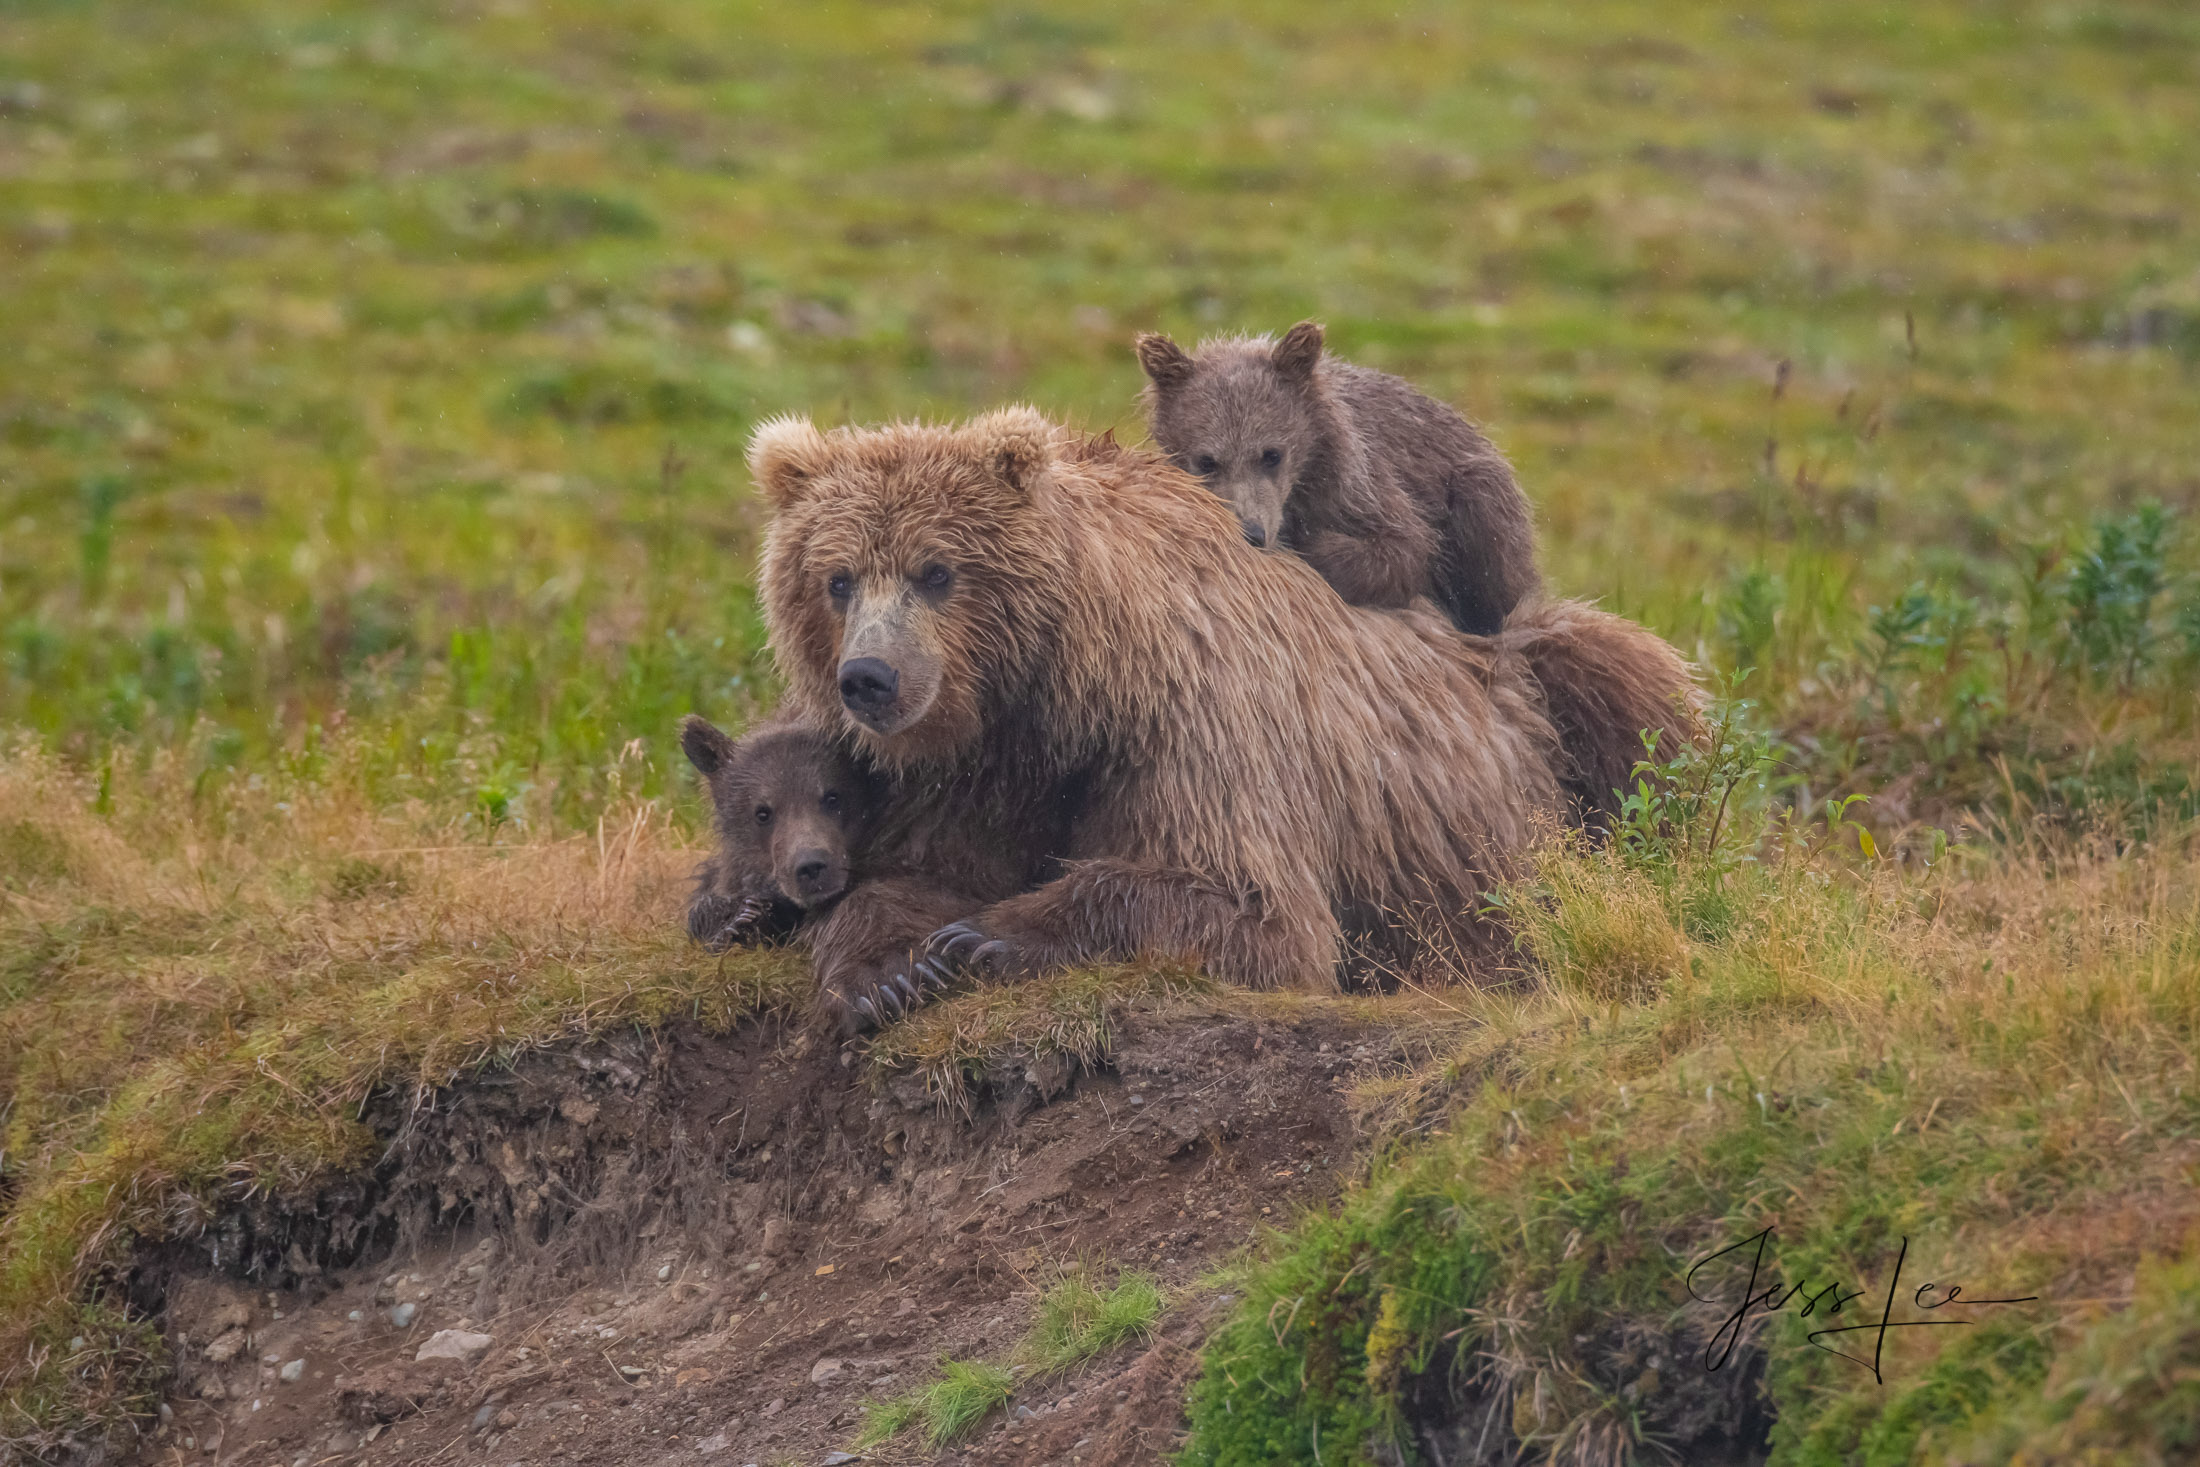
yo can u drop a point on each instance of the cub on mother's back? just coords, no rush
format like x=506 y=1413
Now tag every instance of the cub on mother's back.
x=1388 y=493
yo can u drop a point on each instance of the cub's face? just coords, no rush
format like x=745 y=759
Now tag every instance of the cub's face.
x=792 y=808
x=899 y=572
x=1236 y=415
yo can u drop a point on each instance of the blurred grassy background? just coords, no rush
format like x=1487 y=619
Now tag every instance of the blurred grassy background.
x=392 y=362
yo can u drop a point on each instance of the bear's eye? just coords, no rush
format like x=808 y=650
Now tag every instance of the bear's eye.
x=840 y=588
x=763 y=814
x=829 y=802
x=1204 y=464
x=935 y=577
x=1271 y=458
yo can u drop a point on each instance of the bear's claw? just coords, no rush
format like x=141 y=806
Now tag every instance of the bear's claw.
x=962 y=949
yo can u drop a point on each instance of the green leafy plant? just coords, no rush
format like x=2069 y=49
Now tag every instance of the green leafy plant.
x=2111 y=594
x=1694 y=806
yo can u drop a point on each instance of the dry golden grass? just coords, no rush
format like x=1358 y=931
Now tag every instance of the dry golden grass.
x=201 y=990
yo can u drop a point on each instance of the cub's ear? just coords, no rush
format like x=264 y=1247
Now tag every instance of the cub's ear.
x=1016 y=442
x=784 y=455
x=1165 y=362
x=1299 y=350
x=707 y=746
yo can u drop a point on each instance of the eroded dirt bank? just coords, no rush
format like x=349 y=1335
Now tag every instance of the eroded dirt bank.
x=676 y=1248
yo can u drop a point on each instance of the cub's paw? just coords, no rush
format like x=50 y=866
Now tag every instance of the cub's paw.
x=960 y=948
x=719 y=923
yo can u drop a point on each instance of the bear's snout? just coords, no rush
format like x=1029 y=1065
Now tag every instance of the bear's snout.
x=816 y=876
x=1256 y=535
x=868 y=686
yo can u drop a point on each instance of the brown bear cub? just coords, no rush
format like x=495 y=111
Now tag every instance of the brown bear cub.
x=1388 y=493
x=793 y=810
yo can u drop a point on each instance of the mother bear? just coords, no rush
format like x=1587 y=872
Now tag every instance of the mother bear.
x=1114 y=729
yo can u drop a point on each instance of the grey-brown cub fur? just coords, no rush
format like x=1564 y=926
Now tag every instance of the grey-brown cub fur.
x=1388 y=493
x=793 y=809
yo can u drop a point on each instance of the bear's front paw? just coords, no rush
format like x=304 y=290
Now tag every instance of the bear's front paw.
x=962 y=948
x=872 y=999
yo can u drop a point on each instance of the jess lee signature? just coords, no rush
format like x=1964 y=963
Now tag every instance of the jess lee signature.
x=1830 y=1299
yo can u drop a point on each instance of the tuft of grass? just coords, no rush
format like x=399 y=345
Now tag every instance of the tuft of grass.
x=964 y=1395
x=1077 y=1319
x=885 y=1420
x=948 y=1409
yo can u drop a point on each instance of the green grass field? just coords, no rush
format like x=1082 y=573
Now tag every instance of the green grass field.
x=371 y=506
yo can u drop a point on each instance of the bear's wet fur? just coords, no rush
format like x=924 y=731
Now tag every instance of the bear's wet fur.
x=1387 y=492
x=1078 y=674
x=793 y=809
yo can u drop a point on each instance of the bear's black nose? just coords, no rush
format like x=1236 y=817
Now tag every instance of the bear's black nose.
x=811 y=870
x=868 y=685
x=1256 y=535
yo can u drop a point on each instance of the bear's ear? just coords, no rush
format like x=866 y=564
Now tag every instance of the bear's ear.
x=784 y=455
x=707 y=747
x=1301 y=347
x=1165 y=362
x=1016 y=442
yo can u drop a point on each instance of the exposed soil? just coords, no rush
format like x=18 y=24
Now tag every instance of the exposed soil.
x=692 y=1249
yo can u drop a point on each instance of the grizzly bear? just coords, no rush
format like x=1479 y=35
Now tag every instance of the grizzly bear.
x=793 y=809
x=1388 y=493
x=1605 y=682
x=1077 y=670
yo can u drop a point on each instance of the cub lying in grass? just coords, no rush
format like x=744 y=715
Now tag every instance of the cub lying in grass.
x=793 y=812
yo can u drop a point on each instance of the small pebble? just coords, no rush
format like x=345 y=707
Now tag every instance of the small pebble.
x=402 y=1315
x=664 y=1273
x=294 y=1371
x=356 y=1316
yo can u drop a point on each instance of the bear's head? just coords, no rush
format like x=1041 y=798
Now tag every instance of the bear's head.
x=1240 y=414
x=910 y=573
x=793 y=808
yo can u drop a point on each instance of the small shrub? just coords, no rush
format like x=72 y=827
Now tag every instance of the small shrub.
x=2111 y=595
x=1697 y=805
